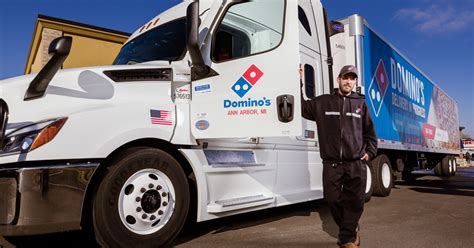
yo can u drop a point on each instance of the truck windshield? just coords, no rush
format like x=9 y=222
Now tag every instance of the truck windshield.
x=166 y=42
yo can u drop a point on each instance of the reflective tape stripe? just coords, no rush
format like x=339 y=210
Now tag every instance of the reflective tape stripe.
x=331 y=113
x=353 y=114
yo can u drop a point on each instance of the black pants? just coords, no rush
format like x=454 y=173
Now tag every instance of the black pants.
x=344 y=189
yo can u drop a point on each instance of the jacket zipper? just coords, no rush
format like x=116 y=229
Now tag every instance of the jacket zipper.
x=342 y=123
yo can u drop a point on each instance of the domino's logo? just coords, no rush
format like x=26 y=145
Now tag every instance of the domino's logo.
x=378 y=87
x=247 y=81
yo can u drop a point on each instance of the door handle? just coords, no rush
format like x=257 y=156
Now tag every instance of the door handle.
x=285 y=106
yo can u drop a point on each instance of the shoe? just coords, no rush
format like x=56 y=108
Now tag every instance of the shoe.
x=356 y=242
x=349 y=245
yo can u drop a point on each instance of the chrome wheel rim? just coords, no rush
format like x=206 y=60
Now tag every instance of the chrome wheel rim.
x=386 y=177
x=454 y=165
x=146 y=202
x=450 y=166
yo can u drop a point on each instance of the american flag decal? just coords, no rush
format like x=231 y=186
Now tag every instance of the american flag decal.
x=161 y=117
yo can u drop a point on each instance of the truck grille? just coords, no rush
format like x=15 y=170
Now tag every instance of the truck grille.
x=3 y=121
x=140 y=75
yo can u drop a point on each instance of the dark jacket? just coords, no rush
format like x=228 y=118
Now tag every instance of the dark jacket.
x=342 y=139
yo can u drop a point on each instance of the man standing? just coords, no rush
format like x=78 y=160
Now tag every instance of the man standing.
x=347 y=141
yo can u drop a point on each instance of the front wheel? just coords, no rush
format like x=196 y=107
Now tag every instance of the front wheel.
x=142 y=201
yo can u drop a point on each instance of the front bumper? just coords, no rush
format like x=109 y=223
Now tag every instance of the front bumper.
x=43 y=199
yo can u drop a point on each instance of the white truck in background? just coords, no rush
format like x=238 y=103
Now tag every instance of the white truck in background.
x=200 y=116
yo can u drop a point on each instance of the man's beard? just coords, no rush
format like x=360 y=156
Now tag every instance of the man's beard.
x=345 y=90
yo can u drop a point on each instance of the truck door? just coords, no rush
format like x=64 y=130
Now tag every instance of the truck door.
x=302 y=161
x=254 y=49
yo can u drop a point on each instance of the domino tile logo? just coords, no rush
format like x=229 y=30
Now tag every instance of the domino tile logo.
x=247 y=81
x=378 y=87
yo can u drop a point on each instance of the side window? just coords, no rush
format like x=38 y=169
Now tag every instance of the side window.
x=231 y=43
x=249 y=28
x=309 y=81
x=308 y=30
x=304 y=20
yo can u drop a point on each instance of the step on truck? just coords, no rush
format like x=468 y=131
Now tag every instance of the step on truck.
x=199 y=118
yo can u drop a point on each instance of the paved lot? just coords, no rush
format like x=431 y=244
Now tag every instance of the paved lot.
x=430 y=212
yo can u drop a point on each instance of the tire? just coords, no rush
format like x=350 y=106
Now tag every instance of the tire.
x=142 y=200
x=446 y=166
x=369 y=188
x=437 y=170
x=382 y=175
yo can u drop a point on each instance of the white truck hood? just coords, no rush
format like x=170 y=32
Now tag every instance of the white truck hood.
x=70 y=91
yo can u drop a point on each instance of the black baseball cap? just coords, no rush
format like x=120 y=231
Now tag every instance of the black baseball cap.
x=348 y=69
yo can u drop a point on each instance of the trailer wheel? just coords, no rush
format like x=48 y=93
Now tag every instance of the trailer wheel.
x=437 y=170
x=142 y=200
x=369 y=188
x=446 y=166
x=382 y=175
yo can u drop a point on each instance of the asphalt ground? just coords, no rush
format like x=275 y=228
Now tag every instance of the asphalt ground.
x=429 y=212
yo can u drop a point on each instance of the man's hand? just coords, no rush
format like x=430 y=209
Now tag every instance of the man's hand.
x=365 y=157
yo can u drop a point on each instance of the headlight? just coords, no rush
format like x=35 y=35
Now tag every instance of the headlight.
x=28 y=138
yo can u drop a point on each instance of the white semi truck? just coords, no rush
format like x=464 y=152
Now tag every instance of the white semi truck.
x=200 y=116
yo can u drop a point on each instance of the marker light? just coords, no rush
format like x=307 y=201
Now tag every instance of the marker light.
x=48 y=133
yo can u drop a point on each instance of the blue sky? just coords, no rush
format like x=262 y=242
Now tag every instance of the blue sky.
x=436 y=35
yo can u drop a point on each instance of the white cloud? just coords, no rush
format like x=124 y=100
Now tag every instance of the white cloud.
x=437 y=18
